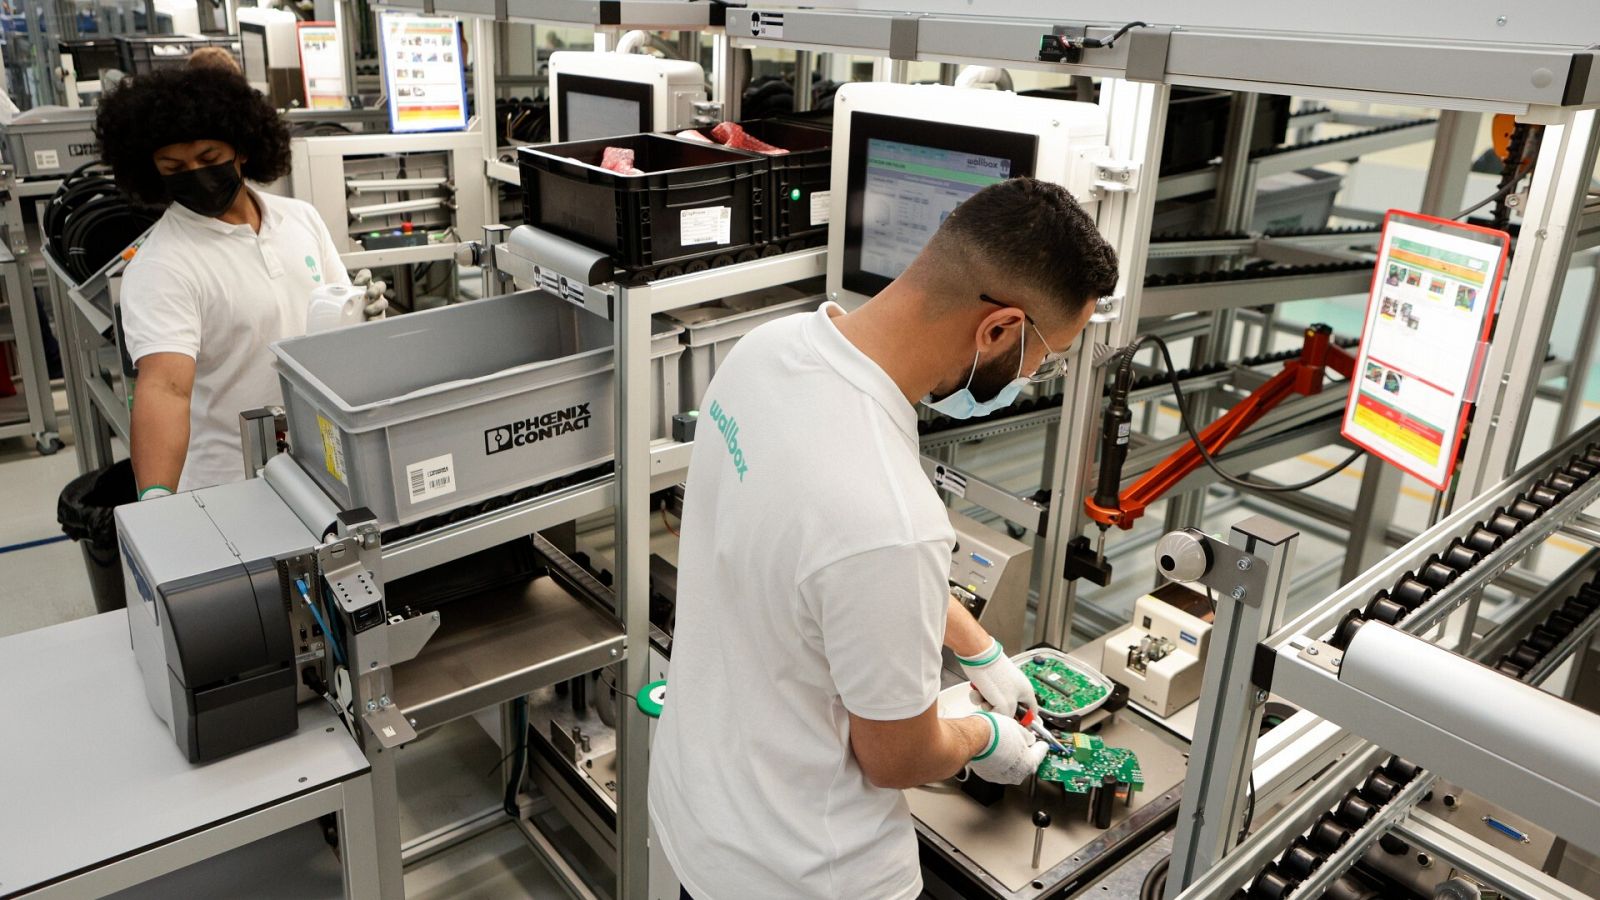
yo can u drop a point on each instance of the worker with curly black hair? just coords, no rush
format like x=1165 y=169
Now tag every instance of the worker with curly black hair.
x=226 y=271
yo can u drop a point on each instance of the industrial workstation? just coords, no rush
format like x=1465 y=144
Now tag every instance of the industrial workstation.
x=662 y=449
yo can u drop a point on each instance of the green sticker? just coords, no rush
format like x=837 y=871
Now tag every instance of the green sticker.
x=311 y=263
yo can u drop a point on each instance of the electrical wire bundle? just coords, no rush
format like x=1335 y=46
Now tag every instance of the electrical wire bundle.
x=89 y=222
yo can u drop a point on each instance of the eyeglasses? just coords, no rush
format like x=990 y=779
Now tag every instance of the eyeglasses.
x=1054 y=364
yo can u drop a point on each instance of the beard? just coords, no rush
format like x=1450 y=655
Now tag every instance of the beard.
x=992 y=376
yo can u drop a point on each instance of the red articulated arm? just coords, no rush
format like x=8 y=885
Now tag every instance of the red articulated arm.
x=1302 y=376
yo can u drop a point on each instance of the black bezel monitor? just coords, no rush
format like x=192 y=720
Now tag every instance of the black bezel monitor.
x=1007 y=153
x=611 y=88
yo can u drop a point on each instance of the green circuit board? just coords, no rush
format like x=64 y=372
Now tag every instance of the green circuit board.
x=1085 y=763
x=1061 y=689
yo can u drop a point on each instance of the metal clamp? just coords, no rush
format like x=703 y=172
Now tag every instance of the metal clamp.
x=1115 y=176
x=1106 y=309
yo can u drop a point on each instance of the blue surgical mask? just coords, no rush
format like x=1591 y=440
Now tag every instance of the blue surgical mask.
x=963 y=405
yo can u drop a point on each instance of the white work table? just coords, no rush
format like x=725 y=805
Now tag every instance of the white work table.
x=95 y=795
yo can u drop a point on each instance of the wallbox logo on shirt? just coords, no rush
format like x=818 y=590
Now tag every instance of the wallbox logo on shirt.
x=311 y=263
x=530 y=431
x=729 y=426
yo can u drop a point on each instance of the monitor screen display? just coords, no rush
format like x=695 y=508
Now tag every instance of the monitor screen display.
x=910 y=189
x=589 y=107
x=253 y=47
x=593 y=116
x=905 y=178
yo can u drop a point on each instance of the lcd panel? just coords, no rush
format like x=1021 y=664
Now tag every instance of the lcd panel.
x=910 y=190
x=588 y=107
x=905 y=177
x=590 y=116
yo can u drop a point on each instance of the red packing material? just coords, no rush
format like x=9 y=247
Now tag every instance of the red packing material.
x=619 y=160
x=732 y=135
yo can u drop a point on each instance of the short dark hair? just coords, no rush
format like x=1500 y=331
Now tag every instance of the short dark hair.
x=1022 y=230
x=155 y=109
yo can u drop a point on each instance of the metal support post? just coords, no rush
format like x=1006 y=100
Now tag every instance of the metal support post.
x=1223 y=753
x=804 y=63
x=1375 y=506
x=1561 y=177
x=1136 y=117
x=1454 y=138
x=483 y=95
x=632 y=330
x=1582 y=356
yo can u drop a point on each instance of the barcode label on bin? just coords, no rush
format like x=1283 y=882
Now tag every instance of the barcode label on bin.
x=707 y=225
x=431 y=478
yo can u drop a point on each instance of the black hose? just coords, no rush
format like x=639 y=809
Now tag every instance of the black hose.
x=1155 y=880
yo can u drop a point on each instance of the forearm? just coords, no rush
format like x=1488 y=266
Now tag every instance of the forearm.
x=962 y=633
x=964 y=738
x=160 y=437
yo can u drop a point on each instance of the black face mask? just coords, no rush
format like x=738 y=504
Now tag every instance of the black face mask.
x=208 y=191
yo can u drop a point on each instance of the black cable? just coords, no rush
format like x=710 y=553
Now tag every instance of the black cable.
x=1155 y=880
x=1194 y=435
x=1108 y=43
x=1249 y=810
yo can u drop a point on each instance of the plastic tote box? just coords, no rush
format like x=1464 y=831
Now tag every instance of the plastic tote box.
x=711 y=330
x=695 y=206
x=426 y=412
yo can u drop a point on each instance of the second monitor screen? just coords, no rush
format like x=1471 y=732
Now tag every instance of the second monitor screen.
x=905 y=178
x=910 y=190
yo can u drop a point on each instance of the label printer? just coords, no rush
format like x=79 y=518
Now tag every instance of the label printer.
x=213 y=613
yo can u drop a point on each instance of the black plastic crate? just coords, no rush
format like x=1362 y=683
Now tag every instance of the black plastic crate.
x=1197 y=124
x=640 y=220
x=805 y=170
x=90 y=56
x=148 y=52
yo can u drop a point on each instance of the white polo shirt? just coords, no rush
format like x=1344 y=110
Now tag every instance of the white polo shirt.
x=220 y=294
x=813 y=579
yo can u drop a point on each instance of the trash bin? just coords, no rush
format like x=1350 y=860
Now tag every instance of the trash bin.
x=85 y=513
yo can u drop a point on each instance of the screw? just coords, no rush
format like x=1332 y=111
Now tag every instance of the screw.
x=1239 y=592
x=302 y=779
x=1311 y=651
x=1338 y=661
x=413 y=722
x=436 y=617
x=1261 y=696
x=614 y=652
x=1500 y=21
x=1244 y=564
x=372 y=706
x=373 y=664
x=384 y=701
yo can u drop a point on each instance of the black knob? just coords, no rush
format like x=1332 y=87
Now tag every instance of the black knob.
x=1041 y=819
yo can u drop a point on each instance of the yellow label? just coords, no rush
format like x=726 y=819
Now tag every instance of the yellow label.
x=332 y=448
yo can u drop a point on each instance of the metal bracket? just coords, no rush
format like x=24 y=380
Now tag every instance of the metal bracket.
x=903 y=38
x=407 y=637
x=1233 y=573
x=388 y=724
x=1147 y=53
x=1115 y=176
x=1323 y=656
x=1106 y=309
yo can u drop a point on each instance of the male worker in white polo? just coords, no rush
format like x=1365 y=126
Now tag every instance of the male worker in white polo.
x=813 y=582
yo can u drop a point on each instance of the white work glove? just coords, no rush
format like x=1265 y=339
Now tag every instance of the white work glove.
x=377 y=295
x=999 y=680
x=1012 y=755
x=155 y=492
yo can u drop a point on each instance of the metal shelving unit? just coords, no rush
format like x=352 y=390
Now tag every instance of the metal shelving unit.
x=33 y=413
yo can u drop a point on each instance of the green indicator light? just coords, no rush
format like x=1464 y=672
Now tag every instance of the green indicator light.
x=794 y=194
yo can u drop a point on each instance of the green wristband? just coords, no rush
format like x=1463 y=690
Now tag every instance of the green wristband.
x=153 y=487
x=989 y=656
x=994 y=742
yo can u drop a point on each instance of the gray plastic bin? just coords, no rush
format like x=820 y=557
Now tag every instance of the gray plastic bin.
x=423 y=413
x=711 y=330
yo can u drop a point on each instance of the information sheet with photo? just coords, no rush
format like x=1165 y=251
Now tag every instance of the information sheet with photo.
x=322 y=66
x=423 y=72
x=1428 y=317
